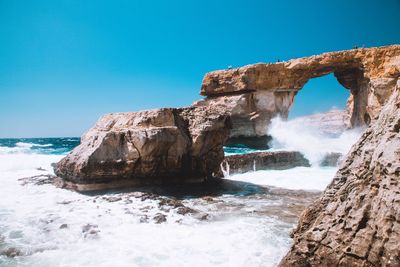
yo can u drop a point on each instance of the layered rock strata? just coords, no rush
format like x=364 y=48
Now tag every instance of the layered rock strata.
x=357 y=220
x=277 y=160
x=255 y=93
x=148 y=147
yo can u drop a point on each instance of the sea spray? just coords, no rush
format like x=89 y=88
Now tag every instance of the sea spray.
x=225 y=169
x=307 y=137
x=314 y=140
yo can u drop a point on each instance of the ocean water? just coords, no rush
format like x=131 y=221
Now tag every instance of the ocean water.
x=243 y=221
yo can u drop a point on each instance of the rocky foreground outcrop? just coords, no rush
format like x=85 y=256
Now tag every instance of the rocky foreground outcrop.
x=148 y=147
x=255 y=93
x=357 y=220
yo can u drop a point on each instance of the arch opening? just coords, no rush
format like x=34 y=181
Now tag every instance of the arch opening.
x=320 y=94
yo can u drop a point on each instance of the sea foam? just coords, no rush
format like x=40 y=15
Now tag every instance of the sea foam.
x=47 y=225
x=301 y=135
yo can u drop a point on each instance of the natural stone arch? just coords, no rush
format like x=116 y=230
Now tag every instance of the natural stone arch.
x=370 y=74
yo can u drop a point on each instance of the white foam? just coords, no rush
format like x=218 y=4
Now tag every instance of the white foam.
x=23 y=144
x=31 y=216
x=30 y=145
x=300 y=135
x=314 y=178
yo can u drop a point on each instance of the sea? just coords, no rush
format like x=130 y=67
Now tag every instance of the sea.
x=244 y=221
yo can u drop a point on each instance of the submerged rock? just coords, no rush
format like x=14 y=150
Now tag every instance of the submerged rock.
x=161 y=146
x=356 y=222
x=11 y=252
x=277 y=160
x=90 y=230
x=160 y=218
x=38 y=179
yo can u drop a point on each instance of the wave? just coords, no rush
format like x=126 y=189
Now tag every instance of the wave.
x=29 y=145
x=308 y=138
x=57 y=146
x=299 y=178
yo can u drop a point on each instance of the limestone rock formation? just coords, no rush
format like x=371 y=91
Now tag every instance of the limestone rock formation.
x=251 y=112
x=277 y=160
x=255 y=93
x=186 y=145
x=356 y=222
x=147 y=147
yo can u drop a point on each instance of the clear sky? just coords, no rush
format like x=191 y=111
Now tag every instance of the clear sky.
x=64 y=63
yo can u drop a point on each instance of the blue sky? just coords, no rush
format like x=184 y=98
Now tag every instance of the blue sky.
x=65 y=63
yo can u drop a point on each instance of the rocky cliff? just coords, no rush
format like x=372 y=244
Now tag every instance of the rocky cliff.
x=253 y=94
x=357 y=220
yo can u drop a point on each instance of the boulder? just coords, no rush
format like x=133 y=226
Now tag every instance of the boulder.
x=277 y=160
x=148 y=147
x=356 y=222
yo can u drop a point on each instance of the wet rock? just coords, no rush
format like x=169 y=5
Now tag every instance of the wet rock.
x=278 y=160
x=136 y=194
x=146 y=196
x=38 y=179
x=160 y=218
x=63 y=226
x=170 y=202
x=202 y=216
x=331 y=159
x=356 y=221
x=90 y=230
x=208 y=198
x=11 y=252
x=185 y=210
x=144 y=219
x=65 y=202
x=112 y=198
x=146 y=209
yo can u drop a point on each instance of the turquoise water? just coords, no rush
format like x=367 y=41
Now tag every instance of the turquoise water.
x=47 y=146
x=61 y=146
x=240 y=149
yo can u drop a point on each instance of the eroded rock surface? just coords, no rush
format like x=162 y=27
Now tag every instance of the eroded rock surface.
x=148 y=147
x=357 y=220
x=255 y=93
x=251 y=112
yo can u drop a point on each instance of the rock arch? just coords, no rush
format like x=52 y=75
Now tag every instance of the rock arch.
x=255 y=93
